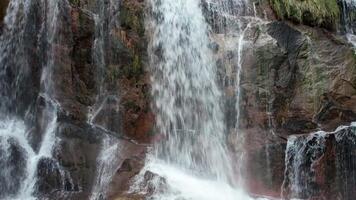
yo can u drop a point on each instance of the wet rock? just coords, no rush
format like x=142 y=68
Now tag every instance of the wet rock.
x=321 y=166
x=264 y=169
x=83 y=68
x=336 y=110
x=76 y=153
x=129 y=167
x=293 y=82
x=53 y=180
x=133 y=78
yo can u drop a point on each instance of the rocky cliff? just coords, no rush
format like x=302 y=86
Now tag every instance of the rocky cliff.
x=298 y=77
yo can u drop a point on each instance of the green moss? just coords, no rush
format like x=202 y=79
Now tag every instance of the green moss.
x=112 y=74
x=325 y=13
x=132 y=105
x=132 y=18
x=132 y=70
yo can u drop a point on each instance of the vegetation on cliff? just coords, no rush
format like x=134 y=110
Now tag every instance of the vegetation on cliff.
x=325 y=13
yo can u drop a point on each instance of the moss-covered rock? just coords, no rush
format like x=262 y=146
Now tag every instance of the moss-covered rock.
x=324 y=13
x=132 y=16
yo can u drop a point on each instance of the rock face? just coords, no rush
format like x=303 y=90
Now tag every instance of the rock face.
x=297 y=78
x=125 y=114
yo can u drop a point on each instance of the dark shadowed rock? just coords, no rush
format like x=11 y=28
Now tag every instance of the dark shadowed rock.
x=12 y=159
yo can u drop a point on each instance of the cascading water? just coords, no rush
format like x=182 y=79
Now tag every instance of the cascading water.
x=348 y=19
x=193 y=158
x=107 y=160
x=301 y=151
x=15 y=135
x=106 y=167
x=187 y=97
x=233 y=23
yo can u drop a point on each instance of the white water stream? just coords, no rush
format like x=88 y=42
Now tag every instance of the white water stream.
x=193 y=158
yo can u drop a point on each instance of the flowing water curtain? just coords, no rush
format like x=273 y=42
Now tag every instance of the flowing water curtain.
x=186 y=96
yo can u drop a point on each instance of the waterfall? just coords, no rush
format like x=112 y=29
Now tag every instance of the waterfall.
x=193 y=157
x=15 y=57
x=187 y=98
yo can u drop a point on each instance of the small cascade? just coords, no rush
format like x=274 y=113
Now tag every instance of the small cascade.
x=301 y=153
x=106 y=18
x=233 y=23
x=348 y=17
x=319 y=159
x=106 y=167
x=12 y=42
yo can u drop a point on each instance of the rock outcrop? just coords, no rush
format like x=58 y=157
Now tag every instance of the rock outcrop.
x=296 y=80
